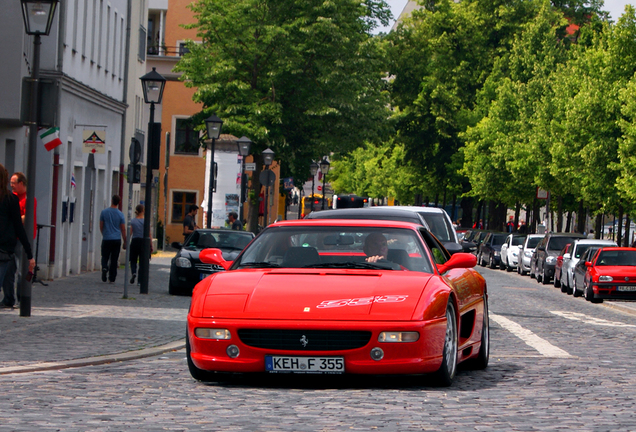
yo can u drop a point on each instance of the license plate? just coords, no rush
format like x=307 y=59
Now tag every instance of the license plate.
x=314 y=365
x=626 y=288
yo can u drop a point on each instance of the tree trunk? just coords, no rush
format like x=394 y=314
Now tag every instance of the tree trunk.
x=559 y=223
x=619 y=229
x=598 y=226
x=568 y=221
x=581 y=217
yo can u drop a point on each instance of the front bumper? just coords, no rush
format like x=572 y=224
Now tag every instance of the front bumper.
x=188 y=277
x=422 y=356
x=609 y=291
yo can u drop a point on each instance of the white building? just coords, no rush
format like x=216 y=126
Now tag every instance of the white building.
x=93 y=59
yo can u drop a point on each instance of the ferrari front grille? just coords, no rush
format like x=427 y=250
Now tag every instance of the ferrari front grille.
x=304 y=340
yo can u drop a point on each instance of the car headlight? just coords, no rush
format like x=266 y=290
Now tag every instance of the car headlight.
x=527 y=254
x=398 y=337
x=515 y=254
x=496 y=253
x=605 y=278
x=211 y=333
x=183 y=262
x=550 y=260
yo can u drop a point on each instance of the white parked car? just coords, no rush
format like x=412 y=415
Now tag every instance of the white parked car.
x=531 y=242
x=570 y=260
x=510 y=251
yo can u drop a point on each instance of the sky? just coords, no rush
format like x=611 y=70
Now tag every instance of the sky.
x=614 y=7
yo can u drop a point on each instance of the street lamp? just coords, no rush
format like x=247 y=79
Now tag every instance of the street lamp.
x=243 y=144
x=324 y=169
x=213 y=125
x=152 y=84
x=268 y=158
x=313 y=170
x=38 y=17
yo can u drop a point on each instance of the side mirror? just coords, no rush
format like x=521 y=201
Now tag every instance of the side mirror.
x=176 y=245
x=214 y=256
x=458 y=260
x=588 y=263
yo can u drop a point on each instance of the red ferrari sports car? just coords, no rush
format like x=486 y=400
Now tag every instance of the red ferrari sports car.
x=339 y=296
x=611 y=275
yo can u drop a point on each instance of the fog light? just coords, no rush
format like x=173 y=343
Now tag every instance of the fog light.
x=398 y=337
x=232 y=351
x=208 y=333
x=377 y=354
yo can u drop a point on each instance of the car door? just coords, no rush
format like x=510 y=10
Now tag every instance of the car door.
x=504 y=250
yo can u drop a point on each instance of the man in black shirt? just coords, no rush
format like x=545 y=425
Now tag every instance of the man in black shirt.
x=189 y=224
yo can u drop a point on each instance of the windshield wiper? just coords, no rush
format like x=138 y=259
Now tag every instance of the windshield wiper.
x=259 y=264
x=353 y=265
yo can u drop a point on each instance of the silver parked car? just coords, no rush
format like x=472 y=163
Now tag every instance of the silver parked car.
x=510 y=251
x=570 y=260
x=525 y=252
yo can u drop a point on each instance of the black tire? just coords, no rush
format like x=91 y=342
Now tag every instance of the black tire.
x=197 y=374
x=544 y=280
x=589 y=294
x=557 y=282
x=173 y=290
x=481 y=361
x=481 y=260
x=447 y=371
x=520 y=270
x=575 y=291
x=509 y=268
x=564 y=288
x=537 y=276
x=491 y=262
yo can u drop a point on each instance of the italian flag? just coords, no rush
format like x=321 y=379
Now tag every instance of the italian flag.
x=50 y=137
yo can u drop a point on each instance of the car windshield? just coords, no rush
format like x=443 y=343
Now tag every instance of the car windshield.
x=223 y=240
x=439 y=226
x=616 y=258
x=558 y=243
x=518 y=240
x=580 y=250
x=499 y=239
x=336 y=247
x=533 y=242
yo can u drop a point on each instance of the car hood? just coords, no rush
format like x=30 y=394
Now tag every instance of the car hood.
x=311 y=294
x=619 y=273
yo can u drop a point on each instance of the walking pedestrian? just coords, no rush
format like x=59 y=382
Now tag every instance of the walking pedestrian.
x=235 y=223
x=137 y=240
x=18 y=184
x=189 y=224
x=12 y=230
x=112 y=224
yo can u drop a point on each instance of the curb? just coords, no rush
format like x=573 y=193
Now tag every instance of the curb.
x=93 y=361
x=620 y=307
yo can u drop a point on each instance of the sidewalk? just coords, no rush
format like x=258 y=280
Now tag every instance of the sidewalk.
x=79 y=320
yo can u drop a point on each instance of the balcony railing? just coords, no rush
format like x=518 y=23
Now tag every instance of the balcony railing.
x=170 y=51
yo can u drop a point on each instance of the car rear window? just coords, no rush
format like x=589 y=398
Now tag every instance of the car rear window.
x=533 y=242
x=499 y=239
x=518 y=241
x=438 y=225
x=558 y=243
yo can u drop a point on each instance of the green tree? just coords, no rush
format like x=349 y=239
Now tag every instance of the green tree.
x=302 y=77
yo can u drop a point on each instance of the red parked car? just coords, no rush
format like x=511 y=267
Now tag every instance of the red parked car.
x=311 y=296
x=611 y=275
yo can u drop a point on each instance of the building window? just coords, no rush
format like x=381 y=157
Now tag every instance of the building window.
x=186 y=140
x=141 y=54
x=181 y=202
x=183 y=48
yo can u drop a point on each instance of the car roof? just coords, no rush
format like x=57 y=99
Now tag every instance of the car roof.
x=369 y=213
x=595 y=242
x=620 y=248
x=380 y=223
x=572 y=235
x=222 y=230
x=422 y=209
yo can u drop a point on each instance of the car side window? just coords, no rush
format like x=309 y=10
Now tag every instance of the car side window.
x=440 y=254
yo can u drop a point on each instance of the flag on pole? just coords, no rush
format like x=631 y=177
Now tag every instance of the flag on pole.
x=73 y=184
x=50 y=137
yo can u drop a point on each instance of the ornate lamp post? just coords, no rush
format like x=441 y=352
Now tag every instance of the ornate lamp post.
x=268 y=158
x=324 y=169
x=38 y=17
x=153 y=84
x=213 y=125
x=243 y=144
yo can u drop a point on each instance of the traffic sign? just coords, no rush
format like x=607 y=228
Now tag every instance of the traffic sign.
x=267 y=178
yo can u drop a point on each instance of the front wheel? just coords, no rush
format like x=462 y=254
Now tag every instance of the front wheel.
x=588 y=293
x=491 y=262
x=575 y=291
x=446 y=373
x=544 y=280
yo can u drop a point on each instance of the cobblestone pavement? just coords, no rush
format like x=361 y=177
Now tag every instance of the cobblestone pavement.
x=570 y=367
x=80 y=316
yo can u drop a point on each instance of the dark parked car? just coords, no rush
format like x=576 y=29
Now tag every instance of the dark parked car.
x=578 y=274
x=490 y=249
x=468 y=241
x=402 y=214
x=545 y=255
x=187 y=270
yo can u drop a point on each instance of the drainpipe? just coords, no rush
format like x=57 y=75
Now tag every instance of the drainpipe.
x=54 y=187
x=122 y=150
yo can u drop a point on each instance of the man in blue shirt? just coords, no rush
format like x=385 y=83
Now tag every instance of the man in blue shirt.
x=112 y=224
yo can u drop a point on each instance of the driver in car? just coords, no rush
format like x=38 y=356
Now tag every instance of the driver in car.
x=375 y=247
